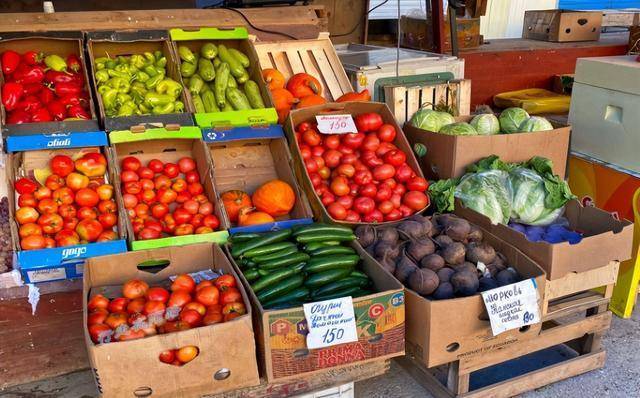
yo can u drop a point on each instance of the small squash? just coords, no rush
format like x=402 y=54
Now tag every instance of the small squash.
x=233 y=201
x=249 y=217
x=362 y=96
x=311 y=100
x=282 y=99
x=303 y=84
x=275 y=198
x=274 y=78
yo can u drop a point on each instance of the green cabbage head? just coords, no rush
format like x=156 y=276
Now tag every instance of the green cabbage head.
x=428 y=119
x=535 y=123
x=486 y=124
x=489 y=193
x=511 y=119
x=460 y=128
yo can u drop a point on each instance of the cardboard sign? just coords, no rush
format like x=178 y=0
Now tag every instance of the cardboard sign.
x=330 y=322
x=512 y=306
x=336 y=124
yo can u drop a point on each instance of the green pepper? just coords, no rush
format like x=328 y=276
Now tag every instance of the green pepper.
x=187 y=69
x=178 y=106
x=149 y=56
x=110 y=64
x=122 y=98
x=102 y=76
x=121 y=59
x=119 y=83
x=155 y=99
x=186 y=54
x=206 y=70
x=163 y=109
x=103 y=88
x=153 y=81
x=150 y=70
x=144 y=109
x=126 y=110
x=161 y=63
x=109 y=98
x=209 y=50
x=142 y=76
x=55 y=62
x=100 y=66
x=158 y=54
x=118 y=74
x=195 y=84
x=169 y=86
x=138 y=61
x=101 y=60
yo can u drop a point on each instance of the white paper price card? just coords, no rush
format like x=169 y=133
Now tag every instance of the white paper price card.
x=336 y=124
x=330 y=322
x=512 y=306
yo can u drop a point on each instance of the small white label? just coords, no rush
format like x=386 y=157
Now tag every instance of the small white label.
x=330 y=322
x=512 y=306
x=336 y=124
x=80 y=269
x=47 y=275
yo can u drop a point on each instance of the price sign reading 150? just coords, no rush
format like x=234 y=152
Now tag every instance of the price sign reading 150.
x=336 y=124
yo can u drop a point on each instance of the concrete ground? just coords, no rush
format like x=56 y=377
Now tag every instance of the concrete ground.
x=619 y=379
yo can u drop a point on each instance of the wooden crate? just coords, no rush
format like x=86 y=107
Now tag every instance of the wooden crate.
x=562 y=25
x=404 y=101
x=574 y=321
x=316 y=57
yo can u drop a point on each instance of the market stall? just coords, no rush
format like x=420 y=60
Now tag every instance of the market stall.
x=196 y=181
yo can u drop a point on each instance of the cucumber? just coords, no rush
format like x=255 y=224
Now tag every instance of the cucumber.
x=323 y=251
x=264 y=239
x=244 y=236
x=272 y=248
x=239 y=55
x=251 y=274
x=283 y=306
x=263 y=272
x=291 y=259
x=322 y=278
x=316 y=245
x=323 y=237
x=318 y=227
x=273 y=278
x=237 y=99
x=350 y=291
x=349 y=281
x=359 y=274
x=283 y=287
x=272 y=256
x=235 y=67
x=325 y=263
x=299 y=294
x=252 y=92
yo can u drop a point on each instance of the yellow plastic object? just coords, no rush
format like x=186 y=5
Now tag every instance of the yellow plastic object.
x=534 y=100
x=626 y=289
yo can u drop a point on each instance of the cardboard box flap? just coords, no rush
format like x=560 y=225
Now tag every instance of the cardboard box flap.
x=73 y=35
x=178 y=34
x=242 y=133
x=164 y=133
x=127 y=35
x=591 y=220
x=59 y=140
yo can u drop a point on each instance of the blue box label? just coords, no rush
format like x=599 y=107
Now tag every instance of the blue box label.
x=66 y=256
x=242 y=133
x=16 y=143
x=274 y=226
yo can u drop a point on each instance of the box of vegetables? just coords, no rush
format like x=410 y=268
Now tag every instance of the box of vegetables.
x=137 y=78
x=453 y=143
x=284 y=269
x=445 y=262
x=219 y=67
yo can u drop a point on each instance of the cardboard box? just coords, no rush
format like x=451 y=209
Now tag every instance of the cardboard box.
x=380 y=320
x=353 y=108
x=442 y=331
x=111 y=44
x=246 y=158
x=606 y=239
x=237 y=38
x=226 y=359
x=417 y=33
x=449 y=155
x=168 y=145
x=29 y=152
x=562 y=25
x=62 y=44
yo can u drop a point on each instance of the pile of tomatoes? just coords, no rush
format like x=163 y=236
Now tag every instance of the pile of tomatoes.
x=74 y=206
x=361 y=176
x=165 y=198
x=41 y=88
x=145 y=311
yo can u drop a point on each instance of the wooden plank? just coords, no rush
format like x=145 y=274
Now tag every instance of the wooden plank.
x=464 y=96
x=620 y=18
x=576 y=282
x=395 y=98
x=541 y=377
x=578 y=305
x=333 y=87
x=281 y=63
x=295 y=61
x=441 y=94
x=413 y=103
x=311 y=67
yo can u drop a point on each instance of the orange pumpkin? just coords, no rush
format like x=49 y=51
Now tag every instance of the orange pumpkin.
x=282 y=115
x=233 y=201
x=273 y=77
x=282 y=99
x=274 y=197
x=362 y=96
x=303 y=84
x=249 y=217
x=311 y=100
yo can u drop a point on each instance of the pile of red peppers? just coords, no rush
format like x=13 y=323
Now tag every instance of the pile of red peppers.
x=39 y=88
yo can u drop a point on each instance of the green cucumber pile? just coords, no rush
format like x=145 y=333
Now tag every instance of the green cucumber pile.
x=304 y=264
x=218 y=79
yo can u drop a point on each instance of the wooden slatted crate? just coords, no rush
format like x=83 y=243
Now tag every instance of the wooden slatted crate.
x=404 y=101
x=316 y=57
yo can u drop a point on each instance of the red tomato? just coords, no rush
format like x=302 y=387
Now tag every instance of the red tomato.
x=320 y=161
x=87 y=197
x=97 y=316
x=131 y=163
x=208 y=295
x=304 y=126
x=346 y=201
x=332 y=141
x=179 y=298
x=371 y=160
x=385 y=207
x=192 y=176
x=340 y=186
x=167 y=356
x=417 y=184
x=324 y=173
x=162 y=181
x=136 y=305
x=371 y=142
x=156 y=165
x=353 y=140
x=345 y=149
x=337 y=211
x=383 y=193
x=405 y=210
x=100 y=333
x=311 y=137
x=183 y=282
x=135 y=288
x=395 y=157
x=374 y=216
x=159 y=210
x=346 y=170
x=186 y=164
x=211 y=221
x=154 y=307
x=195 y=188
x=352 y=216
x=317 y=151
x=181 y=216
x=212 y=318
x=404 y=173
x=116 y=319
x=383 y=172
x=387 y=133
x=400 y=189
x=364 y=205
x=158 y=294
x=62 y=165
x=191 y=206
x=194 y=305
x=368 y=122
x=332 y=158
x=54 y=182
x=128 y=176
x=362 y=177
x=145 y=172
x=225 y=282
x=369 y=190
x=230 y=295
x=393 y=215
x=311 y=165
x=183 y=229
x=27 y=200
x=349 y=158
x=170 y=170
x=315 y=178
x=98 y=302
x=305 y=152
x=327 y=198
x=118 y=304
x=384 y=148
x=354 y=189
x=192 y=317
x=187 y=353
x=107 y=220
x=415 y=200
x=52 y=223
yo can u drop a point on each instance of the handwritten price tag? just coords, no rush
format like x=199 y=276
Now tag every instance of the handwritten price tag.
x=512 y=306
x=330 y=322
x=336 y=124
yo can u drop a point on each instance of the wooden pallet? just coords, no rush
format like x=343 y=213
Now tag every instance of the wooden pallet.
x=574 y=322
x=404 y=101
x=316 y=57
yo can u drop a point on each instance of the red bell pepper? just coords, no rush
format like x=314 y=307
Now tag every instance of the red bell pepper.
x=10 y=61
x=26 y=74
x=41 y=115
x=70 y=99
x=57 y=110
x=62 y=89
x=18 y=117
x=32 y=88
x=46 y=95
x=25 y=186
x=32 y=58
x=77 y=111
x=52 y=76
x=11 y=95
x=29 y=103
x=73 y=63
